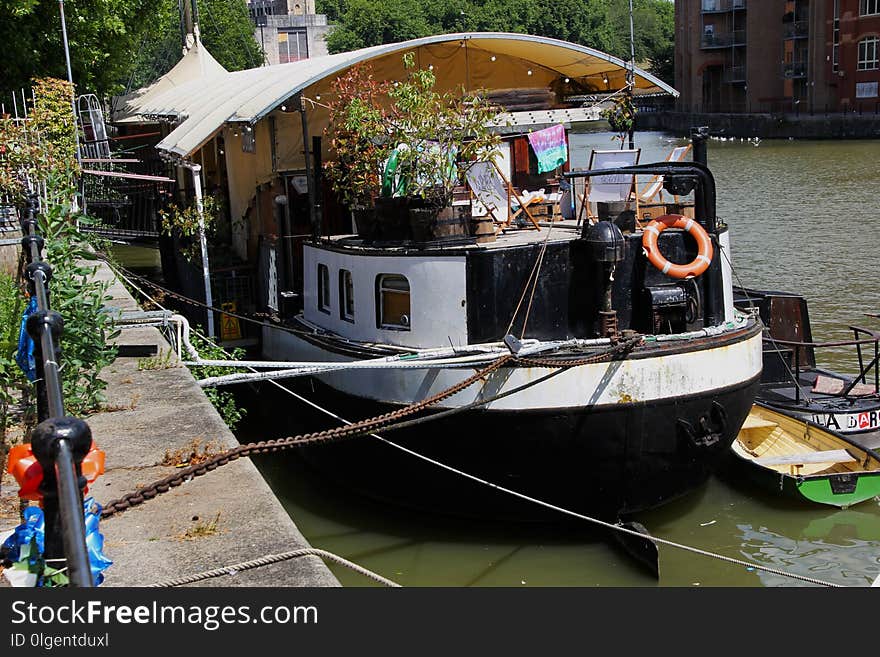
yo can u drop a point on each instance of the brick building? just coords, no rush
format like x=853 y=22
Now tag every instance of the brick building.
x=777 y=55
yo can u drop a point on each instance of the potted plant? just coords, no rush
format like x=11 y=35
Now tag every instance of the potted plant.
x=435 y=136
x=358 y=132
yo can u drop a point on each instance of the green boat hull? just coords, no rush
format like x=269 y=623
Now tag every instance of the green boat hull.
x=840 y=490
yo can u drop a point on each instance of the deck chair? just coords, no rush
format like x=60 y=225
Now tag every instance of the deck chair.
x=655 y=185
x=489 y=186
x=620 y=187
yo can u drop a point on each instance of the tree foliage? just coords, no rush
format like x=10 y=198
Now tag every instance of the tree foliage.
x=115 y=44
x=600 y=24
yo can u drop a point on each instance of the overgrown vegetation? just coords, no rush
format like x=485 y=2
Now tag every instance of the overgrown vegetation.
x=223 y=400
x=40 y=154
x=184 y=222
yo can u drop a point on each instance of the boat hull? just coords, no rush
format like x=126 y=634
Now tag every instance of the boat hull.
x=610 y=438
x=607 y=461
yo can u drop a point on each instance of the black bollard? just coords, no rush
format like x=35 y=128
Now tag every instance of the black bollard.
x=60 y=445
x=699 y=138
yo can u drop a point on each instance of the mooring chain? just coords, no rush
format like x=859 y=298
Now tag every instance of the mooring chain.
x=364 y=426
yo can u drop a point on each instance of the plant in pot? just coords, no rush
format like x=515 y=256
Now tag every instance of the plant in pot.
x=435 y=137
x=358 y=133
x=621 y=117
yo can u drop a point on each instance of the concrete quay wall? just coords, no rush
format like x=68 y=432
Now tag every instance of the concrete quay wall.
x=766 y=126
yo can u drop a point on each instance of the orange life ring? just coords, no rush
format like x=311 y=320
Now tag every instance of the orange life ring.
x=704 y=243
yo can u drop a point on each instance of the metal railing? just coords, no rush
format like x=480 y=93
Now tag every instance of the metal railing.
x=723 y=39
x=718 y=6
x=796 y=30
x=59 y=442
x=864 y=369
x=794 y=70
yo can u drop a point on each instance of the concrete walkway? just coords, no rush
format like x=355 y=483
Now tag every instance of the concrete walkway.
x=161 y=410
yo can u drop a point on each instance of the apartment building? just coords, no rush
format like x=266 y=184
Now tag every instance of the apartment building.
x=288 y=30
x=777 y=55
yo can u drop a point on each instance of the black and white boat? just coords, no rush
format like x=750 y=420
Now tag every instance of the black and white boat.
x=795 y=383
x=402 y=321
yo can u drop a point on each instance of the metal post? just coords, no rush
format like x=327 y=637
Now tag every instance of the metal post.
x=70 y=79
x=310 y=176
x=200 y=209
x=699 y=139
x=631 y=74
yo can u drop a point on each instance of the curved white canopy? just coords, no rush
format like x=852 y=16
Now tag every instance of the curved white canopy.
x=479 y=60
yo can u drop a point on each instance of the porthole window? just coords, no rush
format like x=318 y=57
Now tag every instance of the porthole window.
x=346 y=295
x=392 y=302
x=323 y=288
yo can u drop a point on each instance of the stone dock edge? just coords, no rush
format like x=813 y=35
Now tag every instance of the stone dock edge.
x=154 y=411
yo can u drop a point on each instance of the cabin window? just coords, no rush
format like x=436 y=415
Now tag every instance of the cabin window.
x=323 y=288
x=392 y=302
x=346 y=295
x=868 y=54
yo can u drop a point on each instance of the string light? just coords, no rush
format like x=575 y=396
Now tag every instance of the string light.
x=492 y=58
x=529 y=72
x=567 y=80
x=284 y=108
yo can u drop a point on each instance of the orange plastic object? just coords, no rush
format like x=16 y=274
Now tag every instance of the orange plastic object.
x=23 y=465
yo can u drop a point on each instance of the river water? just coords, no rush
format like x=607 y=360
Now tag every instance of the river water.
x=803 y=218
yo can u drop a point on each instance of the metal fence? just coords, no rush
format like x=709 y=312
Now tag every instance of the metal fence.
x=59 y=442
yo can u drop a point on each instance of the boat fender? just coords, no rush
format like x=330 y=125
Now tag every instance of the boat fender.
x=704 y=243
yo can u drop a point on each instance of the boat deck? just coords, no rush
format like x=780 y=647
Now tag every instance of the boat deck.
x=563 y=230
x=786 y=395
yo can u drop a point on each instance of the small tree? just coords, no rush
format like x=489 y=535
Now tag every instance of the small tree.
x=436 y=135
x=621 y=117
x=359 y=136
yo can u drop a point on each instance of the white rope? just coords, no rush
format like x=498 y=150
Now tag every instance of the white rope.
x=538 y=502
x=270 y=559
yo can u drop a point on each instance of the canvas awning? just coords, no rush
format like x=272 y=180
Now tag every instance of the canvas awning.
x=197 y=65
x=474 y=61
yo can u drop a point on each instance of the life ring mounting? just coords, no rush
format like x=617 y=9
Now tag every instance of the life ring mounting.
x=704 y=245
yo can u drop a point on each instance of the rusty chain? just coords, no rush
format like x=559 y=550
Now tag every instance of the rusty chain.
x=369 y=425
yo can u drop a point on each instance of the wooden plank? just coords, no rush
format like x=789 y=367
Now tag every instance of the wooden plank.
x=755 y=422
x=830 y=456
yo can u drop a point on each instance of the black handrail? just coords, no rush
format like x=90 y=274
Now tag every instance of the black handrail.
x=59 y=442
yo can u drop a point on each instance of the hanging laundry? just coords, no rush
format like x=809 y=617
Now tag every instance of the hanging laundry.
x=550 y=148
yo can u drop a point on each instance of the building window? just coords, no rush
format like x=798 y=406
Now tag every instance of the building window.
x=346 y=295
x=869 y=7
x=292 y=46
x=866 y=89
x=392 y=302
x=323 y=289
x=868 y=54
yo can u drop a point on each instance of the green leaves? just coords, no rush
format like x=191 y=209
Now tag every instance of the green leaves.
x=74 y=292
x=223 y=400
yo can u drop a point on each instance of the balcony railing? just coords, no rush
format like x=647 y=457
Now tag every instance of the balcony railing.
x=720 y=6
x=794 y=70
x=734 y=74
x=796 y=30
x=724 y=39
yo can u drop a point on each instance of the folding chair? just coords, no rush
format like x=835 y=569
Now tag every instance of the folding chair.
x=655 y=185
x=494 y=191
x=620 y=187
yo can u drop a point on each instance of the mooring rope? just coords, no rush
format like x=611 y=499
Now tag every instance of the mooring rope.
x=611 y=526
x=574 y=514
x=271 y=559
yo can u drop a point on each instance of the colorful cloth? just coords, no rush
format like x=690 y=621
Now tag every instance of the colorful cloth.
x=25 y=354
x=550 y=147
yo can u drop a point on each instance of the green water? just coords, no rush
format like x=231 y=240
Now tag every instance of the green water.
x=803 y=216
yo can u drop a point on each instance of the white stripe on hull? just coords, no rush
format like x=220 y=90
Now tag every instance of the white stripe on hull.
x=623 y=381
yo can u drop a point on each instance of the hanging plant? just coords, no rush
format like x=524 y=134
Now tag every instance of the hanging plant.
x=621 y=116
